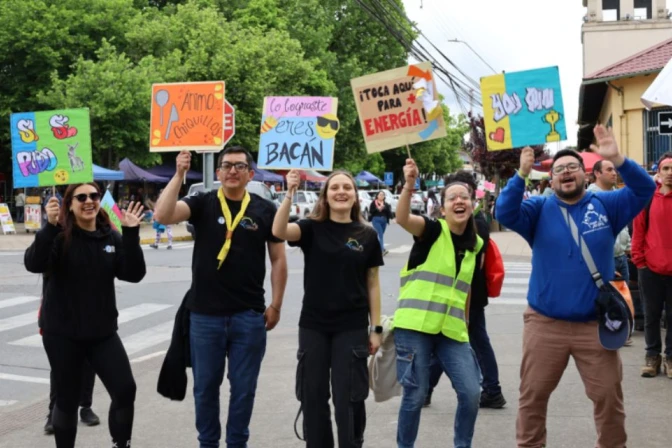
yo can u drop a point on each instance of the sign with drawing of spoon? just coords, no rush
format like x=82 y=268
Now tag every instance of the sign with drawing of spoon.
x=187 y=115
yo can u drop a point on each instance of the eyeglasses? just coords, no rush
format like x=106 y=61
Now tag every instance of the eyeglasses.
x=323 y=122
x=239 y=166
x=95 y=197
x=453 y=197
x=571 y=167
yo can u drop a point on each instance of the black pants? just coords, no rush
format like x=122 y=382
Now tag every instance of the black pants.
x=657 y=294
x=343 y=355
x=86 y=393
x=108 y=359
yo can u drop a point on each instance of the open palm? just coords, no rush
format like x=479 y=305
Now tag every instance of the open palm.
x=133 y=215
x=606 y=143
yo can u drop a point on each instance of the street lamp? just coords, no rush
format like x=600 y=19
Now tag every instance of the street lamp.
x=474 y=51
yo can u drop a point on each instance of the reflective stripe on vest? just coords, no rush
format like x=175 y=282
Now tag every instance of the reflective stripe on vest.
x=433 y=296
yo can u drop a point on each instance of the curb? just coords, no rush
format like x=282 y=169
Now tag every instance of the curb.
x=165 y=239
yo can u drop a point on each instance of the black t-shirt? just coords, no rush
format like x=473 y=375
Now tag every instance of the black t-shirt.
x=462 y=243
x=239 y=284
x=337 y=258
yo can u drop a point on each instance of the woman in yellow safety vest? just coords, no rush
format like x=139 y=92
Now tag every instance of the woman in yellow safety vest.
x=433 y=309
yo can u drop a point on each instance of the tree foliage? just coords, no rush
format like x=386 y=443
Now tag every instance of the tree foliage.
x=501 y=164
x=105 y=55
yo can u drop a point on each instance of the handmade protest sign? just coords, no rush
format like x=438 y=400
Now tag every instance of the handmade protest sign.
x=298 y=132
x=112 y=210
x=523 y=108
x=398 y=107
x=51 y=148
x=187 y=115
x=6 y=220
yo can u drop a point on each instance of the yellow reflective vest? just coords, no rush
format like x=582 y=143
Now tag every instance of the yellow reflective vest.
x=433 y=297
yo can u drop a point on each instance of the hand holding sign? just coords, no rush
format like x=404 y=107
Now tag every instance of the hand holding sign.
x=53 y=210
x=183 y=163
x=132 y=216
x=293 y=181
x=411 y=173
x=526 y=161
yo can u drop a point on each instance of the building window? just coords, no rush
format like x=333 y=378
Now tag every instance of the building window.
x=610 y=10
x=643 y=10
x=655 y=144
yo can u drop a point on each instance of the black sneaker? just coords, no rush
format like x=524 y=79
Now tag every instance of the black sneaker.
x=492 y=401
x=428 y=400
x=88 y=417
x=49 y=426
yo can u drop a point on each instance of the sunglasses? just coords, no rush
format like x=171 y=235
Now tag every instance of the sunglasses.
x=95 y=197
x=323 y=122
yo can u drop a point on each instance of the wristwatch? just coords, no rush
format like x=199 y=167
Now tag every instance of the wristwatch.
x=377 y=329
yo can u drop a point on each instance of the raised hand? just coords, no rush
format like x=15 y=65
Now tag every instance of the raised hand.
x=606 y=145
x=293 y=181
x=53 y=210
x=526 y=161
x=183 y=162
x=411 y=172
x=132 y=216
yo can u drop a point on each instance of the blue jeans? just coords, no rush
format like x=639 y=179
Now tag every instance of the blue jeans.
x=380 y=224
x=621 y=263
x=414 y=353
x=241 y=338
x=480 y=342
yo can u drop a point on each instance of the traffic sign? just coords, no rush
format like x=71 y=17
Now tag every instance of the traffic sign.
x=229 y=126
x=665 y=120
x=389 y=179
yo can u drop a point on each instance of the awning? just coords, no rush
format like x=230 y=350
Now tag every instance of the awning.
x=133 y=172
x=168 y=170
x=370 y=178
x=100 y=173
x=265 y=176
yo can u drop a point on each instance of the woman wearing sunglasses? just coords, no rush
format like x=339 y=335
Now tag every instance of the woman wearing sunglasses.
x=79 y=256
x=340 y=317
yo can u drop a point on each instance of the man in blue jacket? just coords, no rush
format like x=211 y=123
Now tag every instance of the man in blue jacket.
x=561 y=320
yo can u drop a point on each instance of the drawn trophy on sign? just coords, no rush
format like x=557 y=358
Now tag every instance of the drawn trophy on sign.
x=552 y=117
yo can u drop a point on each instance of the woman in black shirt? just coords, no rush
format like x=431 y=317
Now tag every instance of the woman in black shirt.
x=380 y=214
x=79 y=256
x=340 y=317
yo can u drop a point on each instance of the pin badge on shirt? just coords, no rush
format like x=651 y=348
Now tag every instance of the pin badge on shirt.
x=221 y=220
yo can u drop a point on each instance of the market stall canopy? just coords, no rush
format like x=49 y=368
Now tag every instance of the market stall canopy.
x=133 y=172
x=307 y=175
x=368 y=177
x=100 y=173
x=265 y=176
x=168 y=170
x=589 y=160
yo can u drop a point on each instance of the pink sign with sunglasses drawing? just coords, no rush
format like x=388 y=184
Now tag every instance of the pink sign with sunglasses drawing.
x=298 y=132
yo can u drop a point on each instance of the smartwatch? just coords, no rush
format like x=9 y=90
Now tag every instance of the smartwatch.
x=377 y=329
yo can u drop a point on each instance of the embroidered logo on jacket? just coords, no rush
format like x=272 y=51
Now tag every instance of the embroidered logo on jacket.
x=594 y=220
x=109 y=249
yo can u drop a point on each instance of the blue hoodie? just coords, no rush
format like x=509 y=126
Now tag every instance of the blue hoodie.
x=560 y=284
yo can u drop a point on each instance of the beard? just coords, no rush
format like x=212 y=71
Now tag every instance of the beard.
x=571 y=194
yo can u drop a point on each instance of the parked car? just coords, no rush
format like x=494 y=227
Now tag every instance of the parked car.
x=364 y=203
x=294 y=211
x=417 y=204
x=258 y=188
x=390 y=198
x=304 y=201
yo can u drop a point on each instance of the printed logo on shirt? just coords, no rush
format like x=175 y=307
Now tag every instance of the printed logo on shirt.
x=109 y=249
x=594 y=220
x=248 y=224
x=353 y=244
x=221 y=220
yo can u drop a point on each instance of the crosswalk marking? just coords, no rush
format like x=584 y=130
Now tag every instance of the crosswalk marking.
x=24 y=379
x=125 y=315
x=17 y=301
x=7 y=402
x=148 y=338
x=21 y=320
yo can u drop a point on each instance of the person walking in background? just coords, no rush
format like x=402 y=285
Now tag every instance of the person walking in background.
x=652 y=254
x=433 y=205
x=432 y=315
x=491 y=395
x=20 y=203
x=380 y=214
x=79 y=256
x=340 y=317
x=160 y=229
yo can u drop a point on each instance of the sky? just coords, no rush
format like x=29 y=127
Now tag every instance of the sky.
x=510 y=36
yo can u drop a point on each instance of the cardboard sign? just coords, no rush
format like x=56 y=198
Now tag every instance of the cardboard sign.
x=6 y=220
x=229 y=127
x=523 y=108
x=32 y=214
x=51 y=148
x=112 y=210
x=298 y=132
x=187 y=115
x=398 y=107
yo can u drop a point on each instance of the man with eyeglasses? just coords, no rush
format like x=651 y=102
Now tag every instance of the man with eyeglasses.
x=561 y=320
x=228 y=318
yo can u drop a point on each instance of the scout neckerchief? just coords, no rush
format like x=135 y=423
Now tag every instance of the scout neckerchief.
x=231 y=224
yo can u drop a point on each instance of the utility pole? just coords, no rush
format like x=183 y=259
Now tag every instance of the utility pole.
x=208 y=170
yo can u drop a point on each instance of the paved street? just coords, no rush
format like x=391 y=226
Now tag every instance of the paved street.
x=146 y=318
